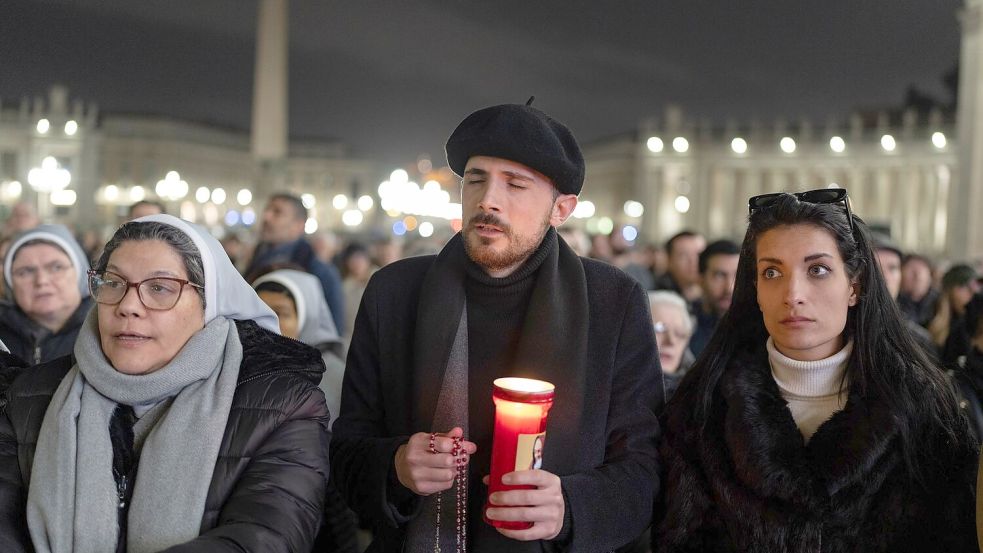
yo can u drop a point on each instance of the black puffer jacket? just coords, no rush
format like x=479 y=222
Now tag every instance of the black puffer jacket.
x=267 y=491
x=29 y=341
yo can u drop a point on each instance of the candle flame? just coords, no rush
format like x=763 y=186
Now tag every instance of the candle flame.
x=527 y=385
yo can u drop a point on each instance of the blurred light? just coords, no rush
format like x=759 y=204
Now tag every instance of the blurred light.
x=352 y=218
x=310 y=227
x=424 y=165
x=681 y=204
x=231 y=217
x=244 y=197
x=605 y=225
x=431 y=186
x=63 y=197
x=187 y=211
x=71 y=127
x=629 y=233
x=137 y=193
x=410 y=222
x=938 y=140
x=365 y=203
x=202 y=194
x=49 y=177
x=171 y=187
x=888 y=143
x=634 y=209
x=426 y=229
x=111 y=193
x=210 y=212
x=655 y=144
x=399 y=228
x=43 y=126
x=592 y=226
x=399 y=177
x=584 y=210
x=738 y=145
x=308 y=200
x=340 y=201
x=11 y=191
x=837 y=144
x=248 y=216
x=218 y=196
x=832 y=185
x=787 y=144
x=679 y=144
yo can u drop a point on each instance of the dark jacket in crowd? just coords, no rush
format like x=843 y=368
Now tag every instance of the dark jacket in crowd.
x=32 y=342
x=968 y=380
x=299 y=253
x=751 y=485
x=920 y=311
x=602 y=446
x=267 y=491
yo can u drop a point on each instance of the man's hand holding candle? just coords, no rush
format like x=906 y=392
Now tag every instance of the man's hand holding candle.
x=543 y=506
x=424 y=472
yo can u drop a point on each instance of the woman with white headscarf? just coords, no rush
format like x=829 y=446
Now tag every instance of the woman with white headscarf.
x=298 y=301
x=183 y=423
x=45 y=273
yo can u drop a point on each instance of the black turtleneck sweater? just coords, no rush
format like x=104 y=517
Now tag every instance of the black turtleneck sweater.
x=496 y=312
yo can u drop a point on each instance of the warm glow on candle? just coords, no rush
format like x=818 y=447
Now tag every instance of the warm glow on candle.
x=521 y=406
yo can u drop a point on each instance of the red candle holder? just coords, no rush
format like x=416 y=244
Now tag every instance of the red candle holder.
x=521 y=406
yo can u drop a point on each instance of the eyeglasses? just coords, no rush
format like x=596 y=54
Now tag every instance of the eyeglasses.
x=55 y=268
x=158 y=293
x=663 y=329
x=819 y=196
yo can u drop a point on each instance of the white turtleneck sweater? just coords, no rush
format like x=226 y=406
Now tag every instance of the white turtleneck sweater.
x=811 y=388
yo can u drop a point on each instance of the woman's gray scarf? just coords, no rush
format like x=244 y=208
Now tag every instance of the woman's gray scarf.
x=72 y=499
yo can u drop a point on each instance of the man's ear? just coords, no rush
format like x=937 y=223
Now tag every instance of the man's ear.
x=562 y=209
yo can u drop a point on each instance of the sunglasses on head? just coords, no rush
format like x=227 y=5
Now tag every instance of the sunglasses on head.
x=819 y=196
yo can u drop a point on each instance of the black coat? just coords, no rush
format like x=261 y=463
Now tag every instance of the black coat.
x=750 y=485
x=18 y=332
x=609 y=479
x=267 y=491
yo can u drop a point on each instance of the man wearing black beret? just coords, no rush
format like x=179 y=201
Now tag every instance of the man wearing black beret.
x=505 y=297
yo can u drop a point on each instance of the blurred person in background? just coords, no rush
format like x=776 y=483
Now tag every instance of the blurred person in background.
x=356 y=269
x=233 y=246
x=325 y=244
x=968 y=374
x=683 y=271
x=45 y=273
x=5 y=242
x=600 y=248
x=144 y=208
x=919 y=297
x=385 y=251
x=718 y=271
x=630 y=258
x=282 y=243
x=812 y=421
x=889 y=258
x=959 y=283
x=22 y=217
x=183 y=422
x=575 y=238
x=673 y=328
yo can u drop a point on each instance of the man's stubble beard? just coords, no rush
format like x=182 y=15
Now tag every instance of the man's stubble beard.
x=517 y=251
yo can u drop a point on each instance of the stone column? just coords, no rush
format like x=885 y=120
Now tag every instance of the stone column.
x=965 y=227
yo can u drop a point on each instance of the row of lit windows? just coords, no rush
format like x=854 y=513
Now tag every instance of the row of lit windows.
x=787 y=144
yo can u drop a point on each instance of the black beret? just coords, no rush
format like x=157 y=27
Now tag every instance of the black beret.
x=522 y=134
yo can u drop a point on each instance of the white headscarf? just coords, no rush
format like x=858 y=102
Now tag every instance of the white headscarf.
x=316 y=326
x=62 y=238
x=227 y=294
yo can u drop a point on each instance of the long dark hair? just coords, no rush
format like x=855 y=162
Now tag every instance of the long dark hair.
x=885 y=363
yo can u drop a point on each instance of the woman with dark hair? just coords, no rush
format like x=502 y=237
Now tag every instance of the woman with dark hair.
x=812 y=422
x=183 y=421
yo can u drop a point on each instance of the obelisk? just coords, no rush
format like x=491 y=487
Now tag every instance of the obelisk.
x=269 y=123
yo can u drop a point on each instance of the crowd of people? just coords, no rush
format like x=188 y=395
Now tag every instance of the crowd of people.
x=810 y=388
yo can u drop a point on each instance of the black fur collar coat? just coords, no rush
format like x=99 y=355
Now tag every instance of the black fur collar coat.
x=753 y=485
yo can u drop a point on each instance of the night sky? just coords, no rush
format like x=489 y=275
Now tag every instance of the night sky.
x=392 y=79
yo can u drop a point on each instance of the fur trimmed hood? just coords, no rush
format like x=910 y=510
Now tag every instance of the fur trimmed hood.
x=751 y=483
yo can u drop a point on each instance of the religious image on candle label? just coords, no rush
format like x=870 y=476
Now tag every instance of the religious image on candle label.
x=529 y=451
